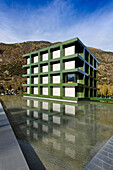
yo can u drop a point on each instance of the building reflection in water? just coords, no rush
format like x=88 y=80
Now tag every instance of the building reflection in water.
x=60 y=127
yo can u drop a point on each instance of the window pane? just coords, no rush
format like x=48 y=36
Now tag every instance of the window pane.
x=71 y=78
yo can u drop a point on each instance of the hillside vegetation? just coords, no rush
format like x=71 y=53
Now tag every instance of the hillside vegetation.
x=11 y=62
x=105 y=68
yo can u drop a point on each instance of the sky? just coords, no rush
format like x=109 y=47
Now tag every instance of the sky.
x=57 y=21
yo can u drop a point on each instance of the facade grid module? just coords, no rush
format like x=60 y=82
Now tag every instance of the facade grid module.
x=66 y=71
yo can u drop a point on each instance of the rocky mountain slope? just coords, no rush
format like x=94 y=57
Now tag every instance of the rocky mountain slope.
x=105 y=68
x=11 y=62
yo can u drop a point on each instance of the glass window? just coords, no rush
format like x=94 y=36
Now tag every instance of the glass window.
x=71 y=78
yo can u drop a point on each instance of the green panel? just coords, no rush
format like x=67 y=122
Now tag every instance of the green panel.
x=25 y=85
x=81 y=92
x=43 y=85
x=38 y=72
x=80 y=81
x=70 y=98
x=93 y=92
x=55 y=85
x=44 y=73
x=61 y=69
x=34 y=74
x=88 y=92
x=35 y=85
x=49 y=69
x=34 y=64
x=54 y=60
x=26 y=55
x=69 y=41
x=88 y=81
x=70 y=84
x=81 y=68
x=70 y=56
x=27 y=65
x=30 y=74
x=70 y=70
x=83 y=53
x=26 y=75
x=44 y=62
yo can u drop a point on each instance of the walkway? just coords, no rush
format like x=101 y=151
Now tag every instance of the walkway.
x=11 y=156
x=103 y=160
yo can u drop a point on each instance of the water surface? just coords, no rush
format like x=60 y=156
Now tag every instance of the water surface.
x=64 y=135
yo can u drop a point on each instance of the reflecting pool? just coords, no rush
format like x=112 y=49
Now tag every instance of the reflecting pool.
x=64 y=135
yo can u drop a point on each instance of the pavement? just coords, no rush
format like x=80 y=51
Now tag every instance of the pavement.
x=103 y=160
x=11 y=156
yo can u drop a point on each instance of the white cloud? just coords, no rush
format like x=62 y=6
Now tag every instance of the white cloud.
x=58 y=21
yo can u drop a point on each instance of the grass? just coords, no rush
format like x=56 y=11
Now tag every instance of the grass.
x=101 y=99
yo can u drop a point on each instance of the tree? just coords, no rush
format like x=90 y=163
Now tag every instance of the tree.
x=105 y=89
x=110 y=90
x=100 y=91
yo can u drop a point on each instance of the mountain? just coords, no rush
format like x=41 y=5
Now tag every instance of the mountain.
x=105 y=68
x=11 y=62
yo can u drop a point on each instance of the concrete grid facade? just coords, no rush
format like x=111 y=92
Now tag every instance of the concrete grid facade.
x=66 y=71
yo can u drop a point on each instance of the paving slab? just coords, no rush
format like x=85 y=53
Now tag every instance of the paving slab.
x=11 y=156
x=32 y=158
x=103 y=160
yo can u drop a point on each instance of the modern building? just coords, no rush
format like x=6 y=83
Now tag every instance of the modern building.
x=64 y=71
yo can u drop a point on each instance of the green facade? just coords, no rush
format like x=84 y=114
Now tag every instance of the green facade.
x=84 y=72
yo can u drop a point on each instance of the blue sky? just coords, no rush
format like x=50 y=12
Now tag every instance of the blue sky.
x=57 y=20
